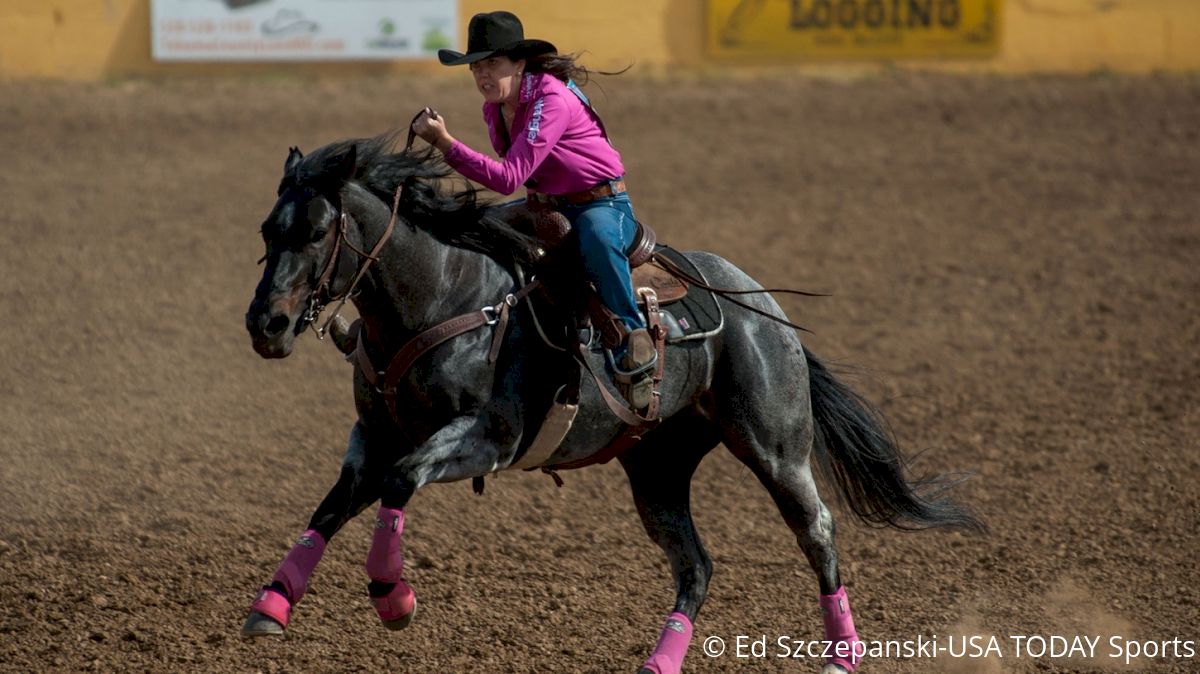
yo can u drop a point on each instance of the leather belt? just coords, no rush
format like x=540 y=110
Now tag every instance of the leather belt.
x=608 y=189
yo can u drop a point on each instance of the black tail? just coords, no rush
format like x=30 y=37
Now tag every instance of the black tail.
x=854 y=447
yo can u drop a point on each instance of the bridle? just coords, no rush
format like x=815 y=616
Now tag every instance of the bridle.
x=322 y=293
x=322 y=286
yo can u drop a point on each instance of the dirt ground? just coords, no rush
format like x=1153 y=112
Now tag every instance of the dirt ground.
x=1015 y=264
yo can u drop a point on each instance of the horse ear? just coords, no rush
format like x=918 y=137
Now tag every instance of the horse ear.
x=294 y=157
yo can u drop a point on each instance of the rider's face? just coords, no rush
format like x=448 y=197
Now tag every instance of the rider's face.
x=498 y=78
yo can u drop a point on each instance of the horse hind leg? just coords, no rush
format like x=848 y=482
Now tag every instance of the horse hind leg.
x=785 y=471
x=660 y=471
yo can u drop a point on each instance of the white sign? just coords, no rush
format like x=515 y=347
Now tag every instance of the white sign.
x=301 y=30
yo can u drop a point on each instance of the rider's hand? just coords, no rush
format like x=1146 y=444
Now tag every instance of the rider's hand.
x=432 y=129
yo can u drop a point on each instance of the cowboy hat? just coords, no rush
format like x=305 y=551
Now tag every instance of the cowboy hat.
x=493 y=33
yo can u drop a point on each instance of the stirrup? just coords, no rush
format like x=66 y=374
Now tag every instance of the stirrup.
x=638 y=392
x=636 y=385
x=628 y=375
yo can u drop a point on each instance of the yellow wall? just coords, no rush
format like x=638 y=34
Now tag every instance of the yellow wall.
x=93 y=39
x=1074 y=35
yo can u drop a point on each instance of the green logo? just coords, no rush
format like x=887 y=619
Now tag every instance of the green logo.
x=388 y=37
x=434 y=39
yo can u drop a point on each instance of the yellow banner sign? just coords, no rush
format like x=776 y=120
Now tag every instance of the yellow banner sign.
x=853 y=28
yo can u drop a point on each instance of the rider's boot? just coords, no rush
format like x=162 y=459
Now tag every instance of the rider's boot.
x=635 y=367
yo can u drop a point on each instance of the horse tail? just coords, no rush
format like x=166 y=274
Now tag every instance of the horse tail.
x=854 y=447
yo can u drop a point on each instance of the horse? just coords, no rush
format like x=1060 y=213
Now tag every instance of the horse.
x=357 y=221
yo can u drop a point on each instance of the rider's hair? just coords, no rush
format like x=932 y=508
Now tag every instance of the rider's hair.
x=565 y=67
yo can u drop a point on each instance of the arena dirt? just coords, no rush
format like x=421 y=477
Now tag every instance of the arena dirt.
x=1012 y=263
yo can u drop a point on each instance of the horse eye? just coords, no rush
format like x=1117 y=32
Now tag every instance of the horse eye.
x=319 y=234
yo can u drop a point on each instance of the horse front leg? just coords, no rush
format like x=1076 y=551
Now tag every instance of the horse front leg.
x=357 y=487
x=458 y=451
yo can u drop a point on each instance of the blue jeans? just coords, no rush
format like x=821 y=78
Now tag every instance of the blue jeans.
x=606 y=229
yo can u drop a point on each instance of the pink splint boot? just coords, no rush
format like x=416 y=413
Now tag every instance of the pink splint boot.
x=672 y=646
x=393 y=598
x=839 y=629
x=272 y=609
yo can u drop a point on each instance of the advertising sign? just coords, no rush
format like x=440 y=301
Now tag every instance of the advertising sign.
x=301 y=30
x=853 y=28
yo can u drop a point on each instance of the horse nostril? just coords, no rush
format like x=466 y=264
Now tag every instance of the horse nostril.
x=277 y=325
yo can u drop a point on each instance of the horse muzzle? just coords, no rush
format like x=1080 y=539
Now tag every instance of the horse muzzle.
x=273 y=326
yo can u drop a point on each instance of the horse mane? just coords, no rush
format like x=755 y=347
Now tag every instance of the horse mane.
x=452 y=214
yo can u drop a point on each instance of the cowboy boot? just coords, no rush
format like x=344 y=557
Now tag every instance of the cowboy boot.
x=633 y=375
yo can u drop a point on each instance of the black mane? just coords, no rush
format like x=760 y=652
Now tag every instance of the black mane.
x=455 y=217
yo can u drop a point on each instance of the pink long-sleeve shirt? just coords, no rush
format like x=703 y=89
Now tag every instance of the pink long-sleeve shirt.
x=556 y=142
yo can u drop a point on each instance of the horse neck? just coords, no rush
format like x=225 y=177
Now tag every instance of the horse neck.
x=417 y=280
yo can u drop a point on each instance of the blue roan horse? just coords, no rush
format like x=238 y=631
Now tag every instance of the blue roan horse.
x=473 y=404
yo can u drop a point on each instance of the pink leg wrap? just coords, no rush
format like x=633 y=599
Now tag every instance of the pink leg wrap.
x=667 y=657
x=293 y=574
x=839 y=628
x=385 y=561
x=299 y=564
x=385 y=564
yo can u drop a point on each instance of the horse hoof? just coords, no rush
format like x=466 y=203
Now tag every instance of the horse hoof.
x=400 y=623
x=833 y=669
x=259 y=625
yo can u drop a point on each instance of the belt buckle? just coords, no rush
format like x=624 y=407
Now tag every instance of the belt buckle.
x=601 y=191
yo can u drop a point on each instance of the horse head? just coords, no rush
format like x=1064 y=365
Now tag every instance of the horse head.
x=301 y=234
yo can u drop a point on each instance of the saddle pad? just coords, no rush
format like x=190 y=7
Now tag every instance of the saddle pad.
x=698 y=313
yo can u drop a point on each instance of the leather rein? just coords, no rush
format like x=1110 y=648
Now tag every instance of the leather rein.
x=322 y=287
x=385 y=381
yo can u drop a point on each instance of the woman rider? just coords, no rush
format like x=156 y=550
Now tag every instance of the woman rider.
x=549 y=139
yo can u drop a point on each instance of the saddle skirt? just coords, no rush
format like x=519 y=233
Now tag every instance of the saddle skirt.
x=667 y=287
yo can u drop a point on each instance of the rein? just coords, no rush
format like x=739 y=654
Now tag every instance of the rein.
x=674 y=270
x=412 y=132
x=315 y=306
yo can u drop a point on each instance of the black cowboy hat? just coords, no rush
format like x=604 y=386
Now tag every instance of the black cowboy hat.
x=494 y=33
